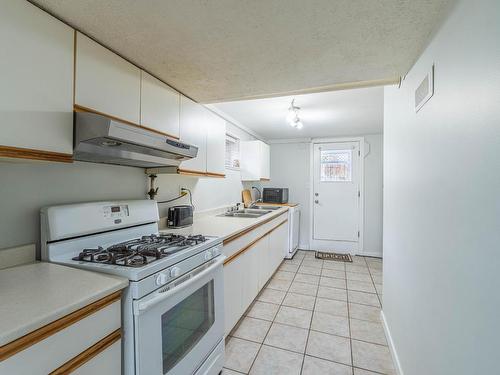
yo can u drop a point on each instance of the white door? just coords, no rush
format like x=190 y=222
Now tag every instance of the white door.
x=336 y=195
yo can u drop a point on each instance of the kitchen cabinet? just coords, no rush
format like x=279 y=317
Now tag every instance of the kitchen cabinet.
x=193 y=130
x=106 y=83
x=160 y=106
x=252 y=260
x=36 y=75
x=233 y=279
x=203 y=128
x=216 y=145
x=86 y=341
x=255 y=160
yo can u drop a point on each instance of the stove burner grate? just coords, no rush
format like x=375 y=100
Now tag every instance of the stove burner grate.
x=140 y=251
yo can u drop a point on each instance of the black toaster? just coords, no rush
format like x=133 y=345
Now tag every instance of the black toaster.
x=180 y=216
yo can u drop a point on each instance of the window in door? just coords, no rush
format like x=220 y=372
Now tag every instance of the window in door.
x=336 y=165
x=232 y=152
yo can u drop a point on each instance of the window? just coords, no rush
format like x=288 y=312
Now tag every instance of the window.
x=232 y=152
x=336 y=165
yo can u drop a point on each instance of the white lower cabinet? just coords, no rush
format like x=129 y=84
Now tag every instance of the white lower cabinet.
x=251 y=266
x=64 y=350
x=108 y=362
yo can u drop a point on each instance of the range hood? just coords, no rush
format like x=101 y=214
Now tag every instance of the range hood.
x=100 y=139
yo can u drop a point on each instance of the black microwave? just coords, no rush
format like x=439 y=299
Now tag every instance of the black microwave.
x=275 y=195
x=180 y=216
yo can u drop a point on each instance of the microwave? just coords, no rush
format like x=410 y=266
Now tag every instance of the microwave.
x=275 y=195
x=180 y=216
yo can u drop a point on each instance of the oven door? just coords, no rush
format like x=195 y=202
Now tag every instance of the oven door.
x=177 y=326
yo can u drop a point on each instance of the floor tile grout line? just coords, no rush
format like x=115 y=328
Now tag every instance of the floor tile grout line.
x=310 y=323
x=349 y=323
x=373 y=282
x=274 y=317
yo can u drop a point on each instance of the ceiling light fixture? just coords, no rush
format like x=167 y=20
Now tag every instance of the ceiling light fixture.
x=292 y=116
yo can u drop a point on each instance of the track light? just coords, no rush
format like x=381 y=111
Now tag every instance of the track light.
x=292 y=116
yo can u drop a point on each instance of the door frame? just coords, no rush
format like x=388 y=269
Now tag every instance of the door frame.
x=323 y=244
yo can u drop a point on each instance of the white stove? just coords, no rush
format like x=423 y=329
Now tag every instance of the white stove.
x=170 y=276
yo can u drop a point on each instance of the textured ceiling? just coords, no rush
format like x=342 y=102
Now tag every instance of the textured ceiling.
x=325 y=114
x=222 y=50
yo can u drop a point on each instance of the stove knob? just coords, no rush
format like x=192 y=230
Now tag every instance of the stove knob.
x=208 y=255
x=175 y=272
x=161 y=279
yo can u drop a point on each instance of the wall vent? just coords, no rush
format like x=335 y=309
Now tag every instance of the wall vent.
x=425 y=90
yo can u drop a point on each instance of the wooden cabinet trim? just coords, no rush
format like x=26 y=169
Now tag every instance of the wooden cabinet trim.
x=247 y=247
x=88 y=354
x=28 y=153
x=190 y=172
x=79 y=108
x=243 y=232
x=50 y=329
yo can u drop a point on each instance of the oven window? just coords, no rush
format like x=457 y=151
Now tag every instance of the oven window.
x=185 y=324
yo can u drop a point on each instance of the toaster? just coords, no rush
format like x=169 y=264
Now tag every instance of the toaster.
x=275 y=195
x=180 y=216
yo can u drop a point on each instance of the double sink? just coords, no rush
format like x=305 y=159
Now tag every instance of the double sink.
x=254 y=212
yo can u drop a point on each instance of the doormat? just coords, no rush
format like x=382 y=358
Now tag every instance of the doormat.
x=333 y=256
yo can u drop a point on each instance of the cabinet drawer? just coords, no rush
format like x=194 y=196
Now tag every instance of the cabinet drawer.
x=106 y=362
x=57 y=349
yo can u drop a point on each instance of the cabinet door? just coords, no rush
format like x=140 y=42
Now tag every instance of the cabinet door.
x=36 y=75
x=250 y=160
x=250 y=274
x=216 y=144
x=106 y=83
x=232 y=293
x=263 y=258
x=193 y=131
x=159 y=106
x=278 y=240
x=265 y=158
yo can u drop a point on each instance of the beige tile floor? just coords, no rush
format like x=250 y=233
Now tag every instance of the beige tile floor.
x=314 y=317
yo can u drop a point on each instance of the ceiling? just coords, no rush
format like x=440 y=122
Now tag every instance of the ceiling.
x=325 y=114
x=222 y=50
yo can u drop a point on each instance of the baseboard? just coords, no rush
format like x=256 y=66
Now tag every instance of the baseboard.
x=394 y=354
x=370 y=254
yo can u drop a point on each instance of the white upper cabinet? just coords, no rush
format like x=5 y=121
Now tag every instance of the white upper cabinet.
x=159 y=106
x=216 y=144
x=106 y=83
x=193 y=130
x=36 y=75
x=255 y=163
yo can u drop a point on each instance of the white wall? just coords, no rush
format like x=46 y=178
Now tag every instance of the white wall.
x=208 y=193
x=26 y=187
x=442 y=202
x=290 y=167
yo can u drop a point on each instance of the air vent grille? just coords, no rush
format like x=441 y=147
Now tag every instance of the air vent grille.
x=425 y=90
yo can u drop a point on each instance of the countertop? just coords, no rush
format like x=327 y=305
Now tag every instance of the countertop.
x=37 y=294
x=220 y=226
x=277 y=204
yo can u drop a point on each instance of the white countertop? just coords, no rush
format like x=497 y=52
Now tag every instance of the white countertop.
x=37 y=294
x=220 y=226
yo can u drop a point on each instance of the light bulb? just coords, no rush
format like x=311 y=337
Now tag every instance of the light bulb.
x=290 y=117
x=299 y=125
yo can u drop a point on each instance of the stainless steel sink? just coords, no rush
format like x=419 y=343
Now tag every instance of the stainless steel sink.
x=247 y=212
x=267 y=207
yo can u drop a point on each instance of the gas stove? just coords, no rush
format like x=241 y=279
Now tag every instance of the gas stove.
x=166 y=272
x=141 y=251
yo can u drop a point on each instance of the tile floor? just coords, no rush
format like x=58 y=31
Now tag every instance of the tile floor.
x=314 y=317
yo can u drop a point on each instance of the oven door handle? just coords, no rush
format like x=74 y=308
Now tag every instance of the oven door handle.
x=161 y=296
